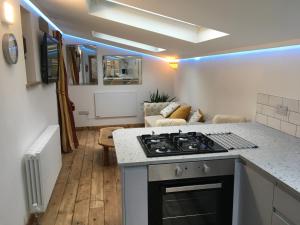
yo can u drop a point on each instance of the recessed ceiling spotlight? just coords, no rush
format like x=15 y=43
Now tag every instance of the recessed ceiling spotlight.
x=127 y=42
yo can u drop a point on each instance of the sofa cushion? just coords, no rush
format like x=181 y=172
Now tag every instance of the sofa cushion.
x=181 y=113
x=170 y=122
x=154 y=108
x=167 y=111
x=196 y=116
x=150 y=121
x=228 y=119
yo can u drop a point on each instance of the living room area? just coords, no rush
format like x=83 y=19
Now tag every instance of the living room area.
x=75 y=73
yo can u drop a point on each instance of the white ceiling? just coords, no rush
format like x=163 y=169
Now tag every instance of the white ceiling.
x=251 y=24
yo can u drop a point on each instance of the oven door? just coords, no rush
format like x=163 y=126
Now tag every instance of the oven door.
x=201 y=201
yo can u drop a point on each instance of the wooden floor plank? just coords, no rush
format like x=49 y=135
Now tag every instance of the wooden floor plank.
x=81 y=213
x=51 y=215
x=86 y=192
x=82 y=204
x=111 y=203
x=87 y=165
x=97 y=174
x=96 y=216
x=64 y=219
x=68 y=202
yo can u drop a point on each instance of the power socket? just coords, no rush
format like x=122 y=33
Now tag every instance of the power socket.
x=83 y=113
x=282 y=110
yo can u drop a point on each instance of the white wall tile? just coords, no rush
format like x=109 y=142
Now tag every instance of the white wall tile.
x=286 y=118
x=275 y=101
x=262 y=99
x=259 y=108
x=274 y=123
x=266 y=113
x=288 y=128
x=292 y=104
x=294 y=118
x=268 y=110
x=298 y=132
x=277 y=115
x=261 y=118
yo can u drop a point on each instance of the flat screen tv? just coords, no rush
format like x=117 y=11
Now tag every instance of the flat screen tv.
x=49 y=59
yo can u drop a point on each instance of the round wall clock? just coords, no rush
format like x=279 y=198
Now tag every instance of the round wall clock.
x=10 y=48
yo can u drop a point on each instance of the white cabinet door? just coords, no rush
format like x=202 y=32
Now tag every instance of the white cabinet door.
x=135 y=195
x=255 y=197
x=287 y=205
x=277 y=220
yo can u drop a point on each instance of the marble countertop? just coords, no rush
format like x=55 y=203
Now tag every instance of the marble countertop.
x=278 y=154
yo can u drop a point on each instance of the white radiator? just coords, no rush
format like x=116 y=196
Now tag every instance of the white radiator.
x=116 y=104
x=43 y=163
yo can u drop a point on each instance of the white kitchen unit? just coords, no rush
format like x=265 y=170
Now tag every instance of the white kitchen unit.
x=255 y=203
x=261 y=200
x=266 y=179
x=278 y=220
x=286 y=207
x=135 y=195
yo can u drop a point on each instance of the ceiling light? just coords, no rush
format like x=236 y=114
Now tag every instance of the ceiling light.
x=151 y=21
x=8 y=13
x=173 y=62
x=127 y=42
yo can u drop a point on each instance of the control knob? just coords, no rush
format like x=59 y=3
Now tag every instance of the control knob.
x=206 y=168
x=178 y=171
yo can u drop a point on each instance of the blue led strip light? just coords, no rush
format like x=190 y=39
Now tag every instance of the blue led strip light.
x=75 y=38
x=38 y=11
x=79 y=39
x=241 y=53
x=71 y=37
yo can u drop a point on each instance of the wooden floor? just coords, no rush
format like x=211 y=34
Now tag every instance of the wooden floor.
x=87 y=192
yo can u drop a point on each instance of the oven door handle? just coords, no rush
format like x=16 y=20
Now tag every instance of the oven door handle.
x=194 y=187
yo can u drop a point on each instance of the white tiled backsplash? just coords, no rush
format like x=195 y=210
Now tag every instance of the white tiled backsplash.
x=267 y=113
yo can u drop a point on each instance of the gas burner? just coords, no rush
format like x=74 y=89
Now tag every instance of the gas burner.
x=162 y=150
x=180 y=143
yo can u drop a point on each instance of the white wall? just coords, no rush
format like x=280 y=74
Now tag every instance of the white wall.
x=229 y=84
x=25 y=113
x=156 y=74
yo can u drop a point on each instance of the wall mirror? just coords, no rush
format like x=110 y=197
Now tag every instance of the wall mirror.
x=82 y=64
x=122 y=70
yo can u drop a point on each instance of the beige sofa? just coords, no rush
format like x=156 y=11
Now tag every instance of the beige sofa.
x=152 y=112
x=153 y=118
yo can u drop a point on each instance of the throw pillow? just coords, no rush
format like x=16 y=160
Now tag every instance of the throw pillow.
x=197 y=116
x=181 y=113
x=170 y=122
x=167 y=111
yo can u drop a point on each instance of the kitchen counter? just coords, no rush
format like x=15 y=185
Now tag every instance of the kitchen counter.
x=278 y=154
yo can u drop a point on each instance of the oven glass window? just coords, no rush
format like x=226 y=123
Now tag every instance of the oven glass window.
x=191 y=205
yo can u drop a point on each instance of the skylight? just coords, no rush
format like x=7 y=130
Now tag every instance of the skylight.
x=127 y=42
x=151 y=21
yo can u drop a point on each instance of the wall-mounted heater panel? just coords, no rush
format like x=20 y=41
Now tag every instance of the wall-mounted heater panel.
x=116 y=104
x=42 y=164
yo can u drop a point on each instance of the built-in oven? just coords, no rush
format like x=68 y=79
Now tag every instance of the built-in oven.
x=192 y=193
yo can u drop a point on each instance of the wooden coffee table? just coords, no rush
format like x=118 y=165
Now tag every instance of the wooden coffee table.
x=106 y=140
